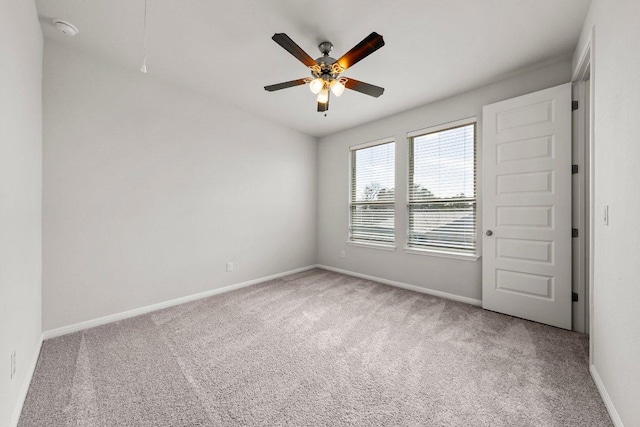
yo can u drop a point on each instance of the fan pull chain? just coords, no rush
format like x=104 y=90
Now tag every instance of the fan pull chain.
x=144 y=62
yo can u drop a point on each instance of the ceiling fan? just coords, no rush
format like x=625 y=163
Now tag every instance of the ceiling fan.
x=326 y=70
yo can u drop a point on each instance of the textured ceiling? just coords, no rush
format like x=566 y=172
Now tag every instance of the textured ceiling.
x=434 y=48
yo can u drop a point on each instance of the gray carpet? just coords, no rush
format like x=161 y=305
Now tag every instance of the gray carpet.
x=316 y=349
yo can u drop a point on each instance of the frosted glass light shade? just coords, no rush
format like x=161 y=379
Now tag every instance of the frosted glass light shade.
x=316 y=85
x=323 y=96
x=337 y=88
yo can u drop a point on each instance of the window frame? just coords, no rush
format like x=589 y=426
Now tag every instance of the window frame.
x=391 y=246
x=440 y=251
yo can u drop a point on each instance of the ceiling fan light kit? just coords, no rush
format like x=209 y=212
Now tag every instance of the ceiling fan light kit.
x=326 y=70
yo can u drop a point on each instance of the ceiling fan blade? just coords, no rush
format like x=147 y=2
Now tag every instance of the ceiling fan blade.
x=290 y=46
x=284 y=85
x=366 y=47
x=366 y=88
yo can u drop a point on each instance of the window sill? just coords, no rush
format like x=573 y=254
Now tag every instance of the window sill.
x=443 y=254
x=371 y=246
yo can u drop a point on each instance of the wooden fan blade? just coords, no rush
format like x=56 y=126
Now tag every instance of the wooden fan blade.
x=366 y=88
x=366 y=47
x=290 y=46
x=284 y=85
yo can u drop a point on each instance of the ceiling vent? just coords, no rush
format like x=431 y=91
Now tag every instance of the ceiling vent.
x=65 y=27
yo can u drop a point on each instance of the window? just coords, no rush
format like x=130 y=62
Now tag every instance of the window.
x=372 y=193
x=442 y=188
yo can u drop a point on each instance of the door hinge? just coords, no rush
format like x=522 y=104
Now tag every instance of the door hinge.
x=574 y=105
x=574 y=296
x=574 y=169
x=574 y=232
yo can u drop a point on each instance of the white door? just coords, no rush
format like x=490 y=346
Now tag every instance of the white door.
x=526 y=206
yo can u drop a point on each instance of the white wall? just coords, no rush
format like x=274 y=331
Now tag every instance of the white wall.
x=458 y=277
x=149 y=190
x=616 y=318
x=20 y=197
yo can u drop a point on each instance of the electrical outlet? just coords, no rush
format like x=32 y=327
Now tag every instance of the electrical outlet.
x=343 y=254
x=13 y=364
x=229 y=266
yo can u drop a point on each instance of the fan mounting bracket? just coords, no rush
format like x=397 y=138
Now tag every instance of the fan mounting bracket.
x=325 y=48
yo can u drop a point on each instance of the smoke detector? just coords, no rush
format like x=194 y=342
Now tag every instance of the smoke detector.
x=65 y=27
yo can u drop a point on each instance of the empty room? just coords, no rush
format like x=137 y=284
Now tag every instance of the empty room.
x=356 y=213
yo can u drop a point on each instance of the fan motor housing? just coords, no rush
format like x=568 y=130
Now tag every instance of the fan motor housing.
x=325 y=62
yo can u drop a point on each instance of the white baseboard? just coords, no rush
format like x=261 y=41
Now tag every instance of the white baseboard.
x=22 y=396
x=415 y=288
x=615 y=418
x=159 y=306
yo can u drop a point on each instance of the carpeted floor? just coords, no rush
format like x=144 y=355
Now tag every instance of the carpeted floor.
x=316 y=349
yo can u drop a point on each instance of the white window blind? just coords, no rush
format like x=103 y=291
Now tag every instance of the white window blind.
x=442 y=190
x=372 y=194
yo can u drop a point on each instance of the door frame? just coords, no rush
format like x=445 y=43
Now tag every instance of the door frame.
x=583 y=78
